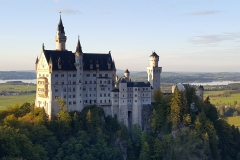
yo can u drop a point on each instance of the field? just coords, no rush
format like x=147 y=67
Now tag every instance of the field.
x=216 y=98
x=7 y=101
x=16 y=88
x=234 y=121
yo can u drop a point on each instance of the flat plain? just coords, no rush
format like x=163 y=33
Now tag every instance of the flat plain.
x=23 y=89
x=234 y=121
x=8 y=101
x=16 y=88
x=216 y=97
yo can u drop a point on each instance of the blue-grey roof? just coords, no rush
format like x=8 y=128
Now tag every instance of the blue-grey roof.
x=122 y=80
x=138 y=84
x=67 y=59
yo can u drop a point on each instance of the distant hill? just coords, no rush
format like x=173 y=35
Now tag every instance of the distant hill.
x=8 y=75
x=166 y=77
x=187 y=77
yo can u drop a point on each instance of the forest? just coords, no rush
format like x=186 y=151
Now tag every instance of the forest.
x=182 y=127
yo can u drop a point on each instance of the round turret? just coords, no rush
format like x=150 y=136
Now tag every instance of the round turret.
x=126 y=75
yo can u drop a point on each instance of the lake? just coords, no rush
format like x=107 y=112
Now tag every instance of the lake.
x=214 y=83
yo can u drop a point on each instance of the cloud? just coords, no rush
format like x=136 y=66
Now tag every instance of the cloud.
x=69 y=11
x=204 y=12
x=214 y=38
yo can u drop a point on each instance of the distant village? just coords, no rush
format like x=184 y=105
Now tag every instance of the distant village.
x=12 y=92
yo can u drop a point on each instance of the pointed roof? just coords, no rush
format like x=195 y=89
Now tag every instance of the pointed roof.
x=154 y=54
x=36 y=61
x=126 y=71
x=79 y=47
x=50 y=60
x=60 y=26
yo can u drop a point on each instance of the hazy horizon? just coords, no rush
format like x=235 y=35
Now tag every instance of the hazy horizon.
x=188 y=35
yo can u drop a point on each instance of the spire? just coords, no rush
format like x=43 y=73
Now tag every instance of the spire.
x=36 y=60
x=50 y=60
x=79 y=48
x=60 y=25
x=127 y=71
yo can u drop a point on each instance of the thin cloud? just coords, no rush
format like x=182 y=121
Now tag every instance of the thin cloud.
x=69 y=11
x=214 y=38
x=204 y=12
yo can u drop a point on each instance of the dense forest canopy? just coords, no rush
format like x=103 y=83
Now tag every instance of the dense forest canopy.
x=182 y=127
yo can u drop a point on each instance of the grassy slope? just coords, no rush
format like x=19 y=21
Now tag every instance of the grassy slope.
x=7 y=101
x=221 y=100
x=234 y=121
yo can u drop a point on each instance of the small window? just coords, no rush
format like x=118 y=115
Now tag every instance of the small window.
x=56 y=90
x=74 y=75
x=69 y=75
x=56 y=75
x=94 y=75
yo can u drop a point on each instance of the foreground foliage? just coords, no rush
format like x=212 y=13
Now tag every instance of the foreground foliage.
x=182 y=127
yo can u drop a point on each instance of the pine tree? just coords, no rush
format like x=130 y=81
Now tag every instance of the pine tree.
x=158 y=150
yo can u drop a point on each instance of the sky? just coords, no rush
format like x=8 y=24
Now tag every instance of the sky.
x=188 y=35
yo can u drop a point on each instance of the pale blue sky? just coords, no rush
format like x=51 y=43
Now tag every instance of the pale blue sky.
x=188 y=35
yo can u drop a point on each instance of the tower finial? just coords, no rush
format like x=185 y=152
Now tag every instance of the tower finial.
x=79 y=47
x=43 y=47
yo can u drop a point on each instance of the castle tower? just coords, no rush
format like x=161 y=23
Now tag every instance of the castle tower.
x=79 y=66
x=126 y=75
x=200 y=92
x=60 y=37
x=154 y=71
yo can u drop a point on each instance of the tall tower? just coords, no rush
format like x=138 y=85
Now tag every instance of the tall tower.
x=79 y=67
x=154 y=71
x=60 y=37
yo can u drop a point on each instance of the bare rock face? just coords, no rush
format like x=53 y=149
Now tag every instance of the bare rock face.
x=146 y=116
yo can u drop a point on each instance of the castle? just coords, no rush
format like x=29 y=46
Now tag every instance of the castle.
x=84 y=79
